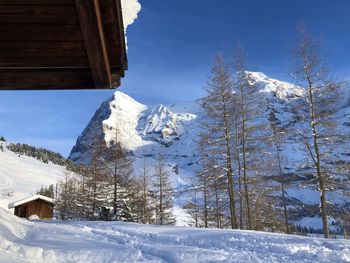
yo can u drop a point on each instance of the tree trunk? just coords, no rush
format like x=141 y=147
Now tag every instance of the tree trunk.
x=285 y=211
x=245 y=179
x=323 y=199
x=229 y=171
x=218 y=220
x=205 y=203
x=239 y=182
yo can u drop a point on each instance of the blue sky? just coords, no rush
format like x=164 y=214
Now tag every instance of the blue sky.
x=171 y=48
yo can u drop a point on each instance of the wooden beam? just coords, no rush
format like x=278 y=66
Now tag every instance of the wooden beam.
x=38 y=79
x=92 y=29
x=37 y=2
x=40 y=33
x=39 y=14
x=45 y=62
x=42 y=49
x=122 y=34
x=115 y=39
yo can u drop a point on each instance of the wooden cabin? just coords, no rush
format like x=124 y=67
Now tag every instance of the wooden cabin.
x=190 y=206
x=61 y=44
x=37 y=205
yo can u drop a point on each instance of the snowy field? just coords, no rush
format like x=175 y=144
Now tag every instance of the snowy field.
x=24 y=241
x=22 y=176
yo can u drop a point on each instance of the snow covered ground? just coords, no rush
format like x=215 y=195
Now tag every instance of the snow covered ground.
x=24 y=241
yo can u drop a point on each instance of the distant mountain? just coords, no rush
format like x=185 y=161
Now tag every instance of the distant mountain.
x=146 y=130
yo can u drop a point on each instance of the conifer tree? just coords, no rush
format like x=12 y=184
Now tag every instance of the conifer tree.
x=120 y=168
x=321 y=95
x=66 y=202
x=145 y=200
x=163 y=194
x=218 y=104
x=248 y=144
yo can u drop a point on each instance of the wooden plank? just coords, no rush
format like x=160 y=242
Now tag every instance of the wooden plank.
x=91 y=24
x=37 y=79
x=29 y=33
x=116 y=78
x=42 y=49
x=38 y=14
x=115 y=39
x=37 y=2
x=45 y=62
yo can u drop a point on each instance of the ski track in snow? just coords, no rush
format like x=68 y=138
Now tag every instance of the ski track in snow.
x=127 y=242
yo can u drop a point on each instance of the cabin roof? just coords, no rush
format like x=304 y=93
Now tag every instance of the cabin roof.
x=30 y=199
x=61 y=44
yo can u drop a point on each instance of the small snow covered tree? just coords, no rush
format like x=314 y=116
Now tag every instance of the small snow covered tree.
x=203 y=175
x=163 y=194
x=145 y=203
x=47 y=191
x=211 y=182
x=106 y=191
x=119 y=166
x=321 y=95
x=96 y=185
x=66 y=202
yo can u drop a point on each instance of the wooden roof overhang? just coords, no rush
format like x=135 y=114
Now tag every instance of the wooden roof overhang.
x=61 y=44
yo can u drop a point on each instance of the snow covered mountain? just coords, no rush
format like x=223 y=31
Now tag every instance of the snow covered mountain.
x=145 y=131
x=172 y=130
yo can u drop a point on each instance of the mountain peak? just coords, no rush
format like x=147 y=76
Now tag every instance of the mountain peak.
x=123 y=101
x=256 y=75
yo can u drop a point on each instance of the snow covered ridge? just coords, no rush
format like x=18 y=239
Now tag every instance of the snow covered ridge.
x=139 y=126
x=24 y=241
x=282 y=90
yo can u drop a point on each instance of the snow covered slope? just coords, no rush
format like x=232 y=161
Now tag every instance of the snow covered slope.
x=22 y=176
x=172 y=130
x=25 y=241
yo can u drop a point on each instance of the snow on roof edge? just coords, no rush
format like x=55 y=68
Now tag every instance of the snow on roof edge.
x=29 y=199
x=130 y=10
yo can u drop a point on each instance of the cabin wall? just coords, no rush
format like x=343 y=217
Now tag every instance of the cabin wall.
x=42 y=209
